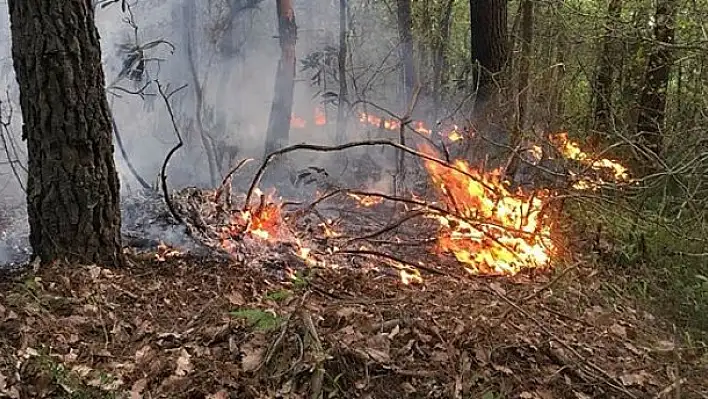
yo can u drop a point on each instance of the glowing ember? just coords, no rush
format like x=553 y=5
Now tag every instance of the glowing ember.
x=492 y=230
x=366 y=201
x=320 y=117
x=571 y=150
x=164 y=252
x=296 y=122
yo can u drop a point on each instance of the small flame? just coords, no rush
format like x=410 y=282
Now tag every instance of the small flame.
x=366 y=201
x=571 y=150
x=296 y=122
x=320 y=116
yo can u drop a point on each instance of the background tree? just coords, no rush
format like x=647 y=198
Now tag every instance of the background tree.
x=281 y=110
x=488 y=19
x=72 y=185
x=405 y=35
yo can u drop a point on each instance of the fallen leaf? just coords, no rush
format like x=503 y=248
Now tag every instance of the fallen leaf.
x=219 y=395
x=136 y=392
x=526 y=395
x=618 y=330
x=142 y=353
x=236 y=298
x=252 y=357
x=184 y=364
x=580 y=395
x=502 y=369
x=638 y=379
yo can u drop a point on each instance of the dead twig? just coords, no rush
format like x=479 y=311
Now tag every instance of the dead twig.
x=180 y=143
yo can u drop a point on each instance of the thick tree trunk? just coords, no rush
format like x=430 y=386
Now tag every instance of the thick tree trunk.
x=405 y=34
x=652 y=97
x=605 y=80
x=342 y=60
x=527 y=21
x=278 y=132
x=489 y=43
x=72 y=186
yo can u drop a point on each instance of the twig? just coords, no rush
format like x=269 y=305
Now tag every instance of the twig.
x=675 y=385
x=163 y=174
x=324 y=148
x=388 y=228
x=318 y=375
x=389 y=257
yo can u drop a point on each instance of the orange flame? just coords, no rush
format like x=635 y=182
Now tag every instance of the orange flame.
x=296 y=122
x=320 y=116
x=491 y=230
x=571 y=150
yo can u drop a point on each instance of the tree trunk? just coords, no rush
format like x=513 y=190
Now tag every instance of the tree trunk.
x=73 y=195
x=526 y=58
x=278 y=131
x=652 y=97
x=440 y=61
x=405 y=34
x=489 y=43
x=342 y=59
x=605 y=80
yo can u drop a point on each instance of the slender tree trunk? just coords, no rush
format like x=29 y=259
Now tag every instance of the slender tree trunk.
x=440 y=61
x=405 y=34
x=652 y=98
x=190 y=15
x=342 y=59
x=278 y=131
x=488 y=19
x=73 y=194
x=527 y=22
x=605 y=80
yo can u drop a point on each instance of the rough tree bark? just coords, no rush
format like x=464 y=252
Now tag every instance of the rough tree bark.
x=405 y=35
x=278 y=131
x=72 y=185
x=605 y=80
x=342 y=60
x=652 y=97
x=527 y=21
x=489 y=43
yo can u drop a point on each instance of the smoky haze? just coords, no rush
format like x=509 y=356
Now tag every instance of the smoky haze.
x=227 y=51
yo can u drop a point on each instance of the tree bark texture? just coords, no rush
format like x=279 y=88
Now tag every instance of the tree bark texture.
x=652 y=97
x=405 y=35
x=606 y=71
x=279 y=121
x=488 y=19
x=72 y=186
x=342 y=65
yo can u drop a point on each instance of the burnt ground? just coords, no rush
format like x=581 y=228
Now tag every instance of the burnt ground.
x=198 y=326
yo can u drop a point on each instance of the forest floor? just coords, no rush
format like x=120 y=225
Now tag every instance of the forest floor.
x=202 y=327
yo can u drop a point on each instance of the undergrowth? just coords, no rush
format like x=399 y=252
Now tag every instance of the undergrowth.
x=658 y=260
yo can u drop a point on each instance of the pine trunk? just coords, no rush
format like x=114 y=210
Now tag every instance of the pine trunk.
x=73 y=191
x=278 y=132
x=488 y=19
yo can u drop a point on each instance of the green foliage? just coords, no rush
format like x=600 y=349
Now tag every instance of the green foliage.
x=279 y=295
x=259 y=319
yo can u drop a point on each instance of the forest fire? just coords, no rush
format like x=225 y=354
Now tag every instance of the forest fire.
x=571 y=150
x=490 y=229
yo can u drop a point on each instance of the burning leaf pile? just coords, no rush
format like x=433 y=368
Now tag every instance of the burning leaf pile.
x=490 y=229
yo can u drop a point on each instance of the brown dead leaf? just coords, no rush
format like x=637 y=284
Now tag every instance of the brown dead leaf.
x=378 y=348
x=502 y=369
x=219 y=395
x=618 y=330
x=580 y=395
x=142 y=354
x=184 y=363
x=136 y=392
x=636 y=379
x=236 y=299
x=252 y=355
x=526 y=395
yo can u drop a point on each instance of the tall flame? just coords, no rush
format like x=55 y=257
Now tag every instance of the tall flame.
x=490 y=229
